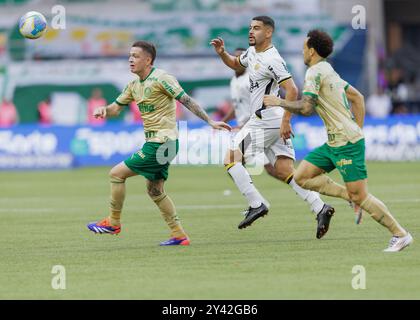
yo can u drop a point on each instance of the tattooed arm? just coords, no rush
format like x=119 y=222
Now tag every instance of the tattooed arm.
x=305 y=106
x=195 y=108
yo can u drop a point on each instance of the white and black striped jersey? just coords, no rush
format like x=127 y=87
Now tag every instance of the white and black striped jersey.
x=266 y=71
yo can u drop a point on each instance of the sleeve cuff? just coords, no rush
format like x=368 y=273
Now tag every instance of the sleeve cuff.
x=180 y=95
x=121 y=104
x=239 y=60
x=313 y=95
x=287 y=78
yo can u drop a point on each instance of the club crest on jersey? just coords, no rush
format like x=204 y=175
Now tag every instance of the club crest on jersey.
x=257 y=66
x=147 y=92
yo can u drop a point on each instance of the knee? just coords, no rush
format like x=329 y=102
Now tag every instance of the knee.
x=154 y=191
x=281 y=175
x=114 y=176
x=271 y=171
x=356 y=196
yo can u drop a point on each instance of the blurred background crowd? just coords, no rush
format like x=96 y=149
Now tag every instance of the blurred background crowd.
x=62 y=77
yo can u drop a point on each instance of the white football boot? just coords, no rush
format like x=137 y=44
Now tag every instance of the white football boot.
x=399 y=243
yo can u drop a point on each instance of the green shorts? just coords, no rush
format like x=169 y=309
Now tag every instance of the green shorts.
x=348 y=159
x=153 y=160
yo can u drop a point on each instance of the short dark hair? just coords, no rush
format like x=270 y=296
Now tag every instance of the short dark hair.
x=321 y=42
x=266 y=20
x=148 y=47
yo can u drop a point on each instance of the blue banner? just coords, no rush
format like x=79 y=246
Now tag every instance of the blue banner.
x=58 y=147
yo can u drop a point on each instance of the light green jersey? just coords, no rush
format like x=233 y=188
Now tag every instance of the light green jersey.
x=155 y=96
x=323 y=83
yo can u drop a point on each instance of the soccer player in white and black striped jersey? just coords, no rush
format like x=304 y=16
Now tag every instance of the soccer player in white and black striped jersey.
x=241 y=110
x=269 y=129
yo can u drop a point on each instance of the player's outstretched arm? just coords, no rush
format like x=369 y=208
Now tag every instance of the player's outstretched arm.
x=195 y=108
x=230 y=115
x=229 y=60
x=111 y=110
x=357 y=105
x=305 y=106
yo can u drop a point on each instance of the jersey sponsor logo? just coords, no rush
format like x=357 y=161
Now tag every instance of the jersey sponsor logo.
x=318 y=82
x=245 y=54
x=285 y=67
x=253 y=85
x=144 y=107
x=168 y=87
x=275 y=75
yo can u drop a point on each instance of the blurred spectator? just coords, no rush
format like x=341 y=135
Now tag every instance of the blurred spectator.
x=222 y=110
x=379 y=104
x=402 y=91
x=400 y=108
x=44 y=111
x=8 y=114
x=96 y=100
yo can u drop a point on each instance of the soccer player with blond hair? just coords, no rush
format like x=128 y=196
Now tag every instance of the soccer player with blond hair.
x=155 y=92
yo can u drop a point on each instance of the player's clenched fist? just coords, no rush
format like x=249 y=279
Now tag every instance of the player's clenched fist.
x=100 y=113
x=218 y=44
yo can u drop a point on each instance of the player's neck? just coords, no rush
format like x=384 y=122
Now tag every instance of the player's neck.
x=145 y=73
x=264 y=46
x=316 y=60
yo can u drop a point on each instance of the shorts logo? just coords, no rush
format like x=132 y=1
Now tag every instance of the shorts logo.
x=344 y=162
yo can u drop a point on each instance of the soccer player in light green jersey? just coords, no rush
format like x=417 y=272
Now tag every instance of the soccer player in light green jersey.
x=155 y=92
x=327 y=94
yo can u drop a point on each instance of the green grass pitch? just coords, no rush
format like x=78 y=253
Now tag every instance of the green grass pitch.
x=44 y=217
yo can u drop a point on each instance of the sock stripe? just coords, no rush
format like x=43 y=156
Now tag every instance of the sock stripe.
x=159 y=198
x=289 y=178
x=230 y=165
x=362 y=204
